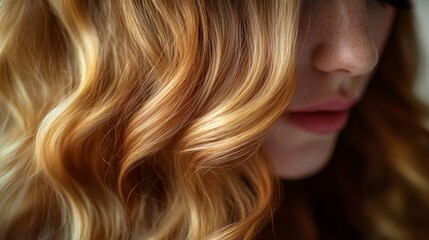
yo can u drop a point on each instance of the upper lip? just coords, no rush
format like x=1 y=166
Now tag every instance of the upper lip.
x=330 y=105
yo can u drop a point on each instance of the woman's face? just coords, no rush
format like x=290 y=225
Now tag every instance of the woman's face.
x=339 y=45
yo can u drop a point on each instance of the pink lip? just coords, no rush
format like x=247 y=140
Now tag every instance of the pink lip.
x=329 y=105
x=322 y=118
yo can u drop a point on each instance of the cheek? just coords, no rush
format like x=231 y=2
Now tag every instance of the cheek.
x=380 y=22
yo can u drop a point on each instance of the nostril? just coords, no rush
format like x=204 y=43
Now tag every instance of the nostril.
x=356 y=56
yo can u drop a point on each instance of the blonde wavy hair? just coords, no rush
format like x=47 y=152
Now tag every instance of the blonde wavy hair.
x=143 y=119
x=140 y=119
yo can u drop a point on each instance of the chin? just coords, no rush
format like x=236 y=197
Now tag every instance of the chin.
x=302 y=160
x=303 y=169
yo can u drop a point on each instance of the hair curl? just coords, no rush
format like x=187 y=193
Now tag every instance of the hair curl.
x=140 y=119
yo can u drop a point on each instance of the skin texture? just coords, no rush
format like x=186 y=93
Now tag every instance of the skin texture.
x=340 y=42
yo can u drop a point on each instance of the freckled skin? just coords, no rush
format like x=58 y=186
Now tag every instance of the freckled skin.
x=339 y=44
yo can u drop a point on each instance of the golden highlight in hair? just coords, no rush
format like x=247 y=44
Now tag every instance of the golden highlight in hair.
x=143 y=119
x=140 y=119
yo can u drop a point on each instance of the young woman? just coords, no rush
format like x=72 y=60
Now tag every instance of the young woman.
x=161 y=119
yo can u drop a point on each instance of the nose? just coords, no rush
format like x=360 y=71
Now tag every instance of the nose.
x=344 y=43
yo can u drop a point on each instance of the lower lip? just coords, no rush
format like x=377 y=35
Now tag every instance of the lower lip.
x=320 y=122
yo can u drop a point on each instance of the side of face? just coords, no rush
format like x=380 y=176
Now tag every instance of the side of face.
x=339 y=45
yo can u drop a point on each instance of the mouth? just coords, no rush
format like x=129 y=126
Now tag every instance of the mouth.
x=322 y=118
x=321 y=122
